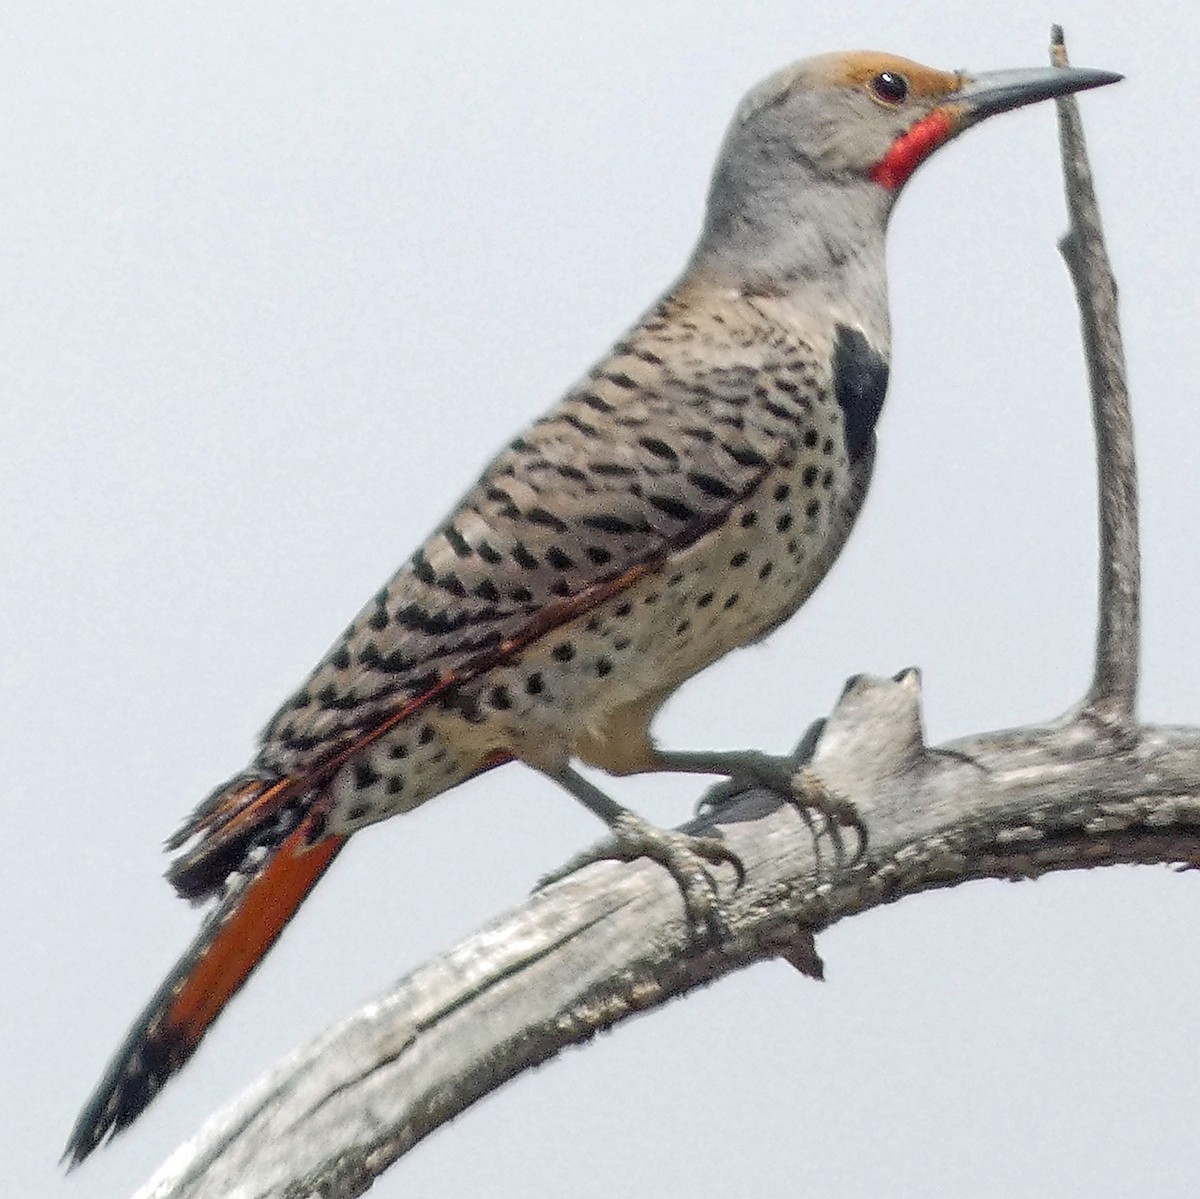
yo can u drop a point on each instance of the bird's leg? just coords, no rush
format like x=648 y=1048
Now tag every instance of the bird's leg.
x=788 y=777
x=684 y=856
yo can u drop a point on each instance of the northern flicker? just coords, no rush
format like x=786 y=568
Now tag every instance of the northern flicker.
x=684 y=499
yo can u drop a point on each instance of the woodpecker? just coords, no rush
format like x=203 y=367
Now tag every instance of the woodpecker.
x=684 y=499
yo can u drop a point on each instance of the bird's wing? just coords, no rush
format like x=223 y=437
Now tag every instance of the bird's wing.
x=651 y=451
x=681 y=423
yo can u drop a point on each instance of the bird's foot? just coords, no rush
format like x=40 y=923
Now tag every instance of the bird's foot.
x=685 y=857
x=796 y=784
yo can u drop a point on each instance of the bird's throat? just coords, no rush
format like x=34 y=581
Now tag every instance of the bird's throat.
x=911 y=149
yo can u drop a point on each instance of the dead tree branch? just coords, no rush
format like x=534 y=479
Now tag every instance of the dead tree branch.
x=1091 y=789
x=1111 y=699
x=612 y=940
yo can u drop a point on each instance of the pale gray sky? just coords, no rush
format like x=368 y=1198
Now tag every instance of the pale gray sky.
x=278 y=279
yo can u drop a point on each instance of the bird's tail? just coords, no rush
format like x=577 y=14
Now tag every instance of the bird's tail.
x=276 y=853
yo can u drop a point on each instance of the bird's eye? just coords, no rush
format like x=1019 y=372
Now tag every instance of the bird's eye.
x=889 y=87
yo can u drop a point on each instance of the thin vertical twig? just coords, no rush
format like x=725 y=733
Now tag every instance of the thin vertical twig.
x=1112 y=697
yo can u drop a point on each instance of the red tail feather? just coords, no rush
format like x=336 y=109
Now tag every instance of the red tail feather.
x=233 y=940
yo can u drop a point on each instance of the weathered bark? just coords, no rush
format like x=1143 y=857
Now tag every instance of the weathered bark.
x=1094 y=788
x=1113 y=693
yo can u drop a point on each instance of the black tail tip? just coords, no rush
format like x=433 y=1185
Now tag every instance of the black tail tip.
x=86 y=1137
x=134 y=1076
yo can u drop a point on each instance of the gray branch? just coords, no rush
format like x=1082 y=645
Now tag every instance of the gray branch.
x=1091 y=789
x=1111 y=698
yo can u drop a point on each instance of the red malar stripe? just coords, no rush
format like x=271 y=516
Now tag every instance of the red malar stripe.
x=909 y=151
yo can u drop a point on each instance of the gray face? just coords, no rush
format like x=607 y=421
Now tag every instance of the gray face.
x=840 y=113
x=837 y=128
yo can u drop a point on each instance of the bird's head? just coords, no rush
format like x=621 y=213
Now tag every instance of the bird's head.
x=817 y=153
x=879 y=116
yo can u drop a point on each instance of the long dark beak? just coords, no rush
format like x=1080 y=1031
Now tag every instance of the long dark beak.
x=999 y=91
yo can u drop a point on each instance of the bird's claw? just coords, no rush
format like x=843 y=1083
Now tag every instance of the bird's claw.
x=685 y=857
x=799 y=786
x=812 y=794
